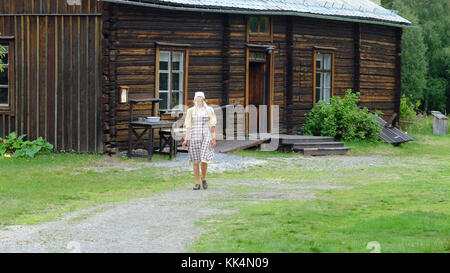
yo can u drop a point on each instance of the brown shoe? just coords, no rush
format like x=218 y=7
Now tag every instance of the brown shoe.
x=197 y=187
x=205 y=185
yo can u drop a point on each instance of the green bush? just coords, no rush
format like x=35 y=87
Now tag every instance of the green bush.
x=342 y=119
x=408 y=110
x=19 y=148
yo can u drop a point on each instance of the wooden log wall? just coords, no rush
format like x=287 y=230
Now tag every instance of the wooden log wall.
x=308 y=33
x=57 y=72
x=290 y=63
x=280 y=39
x=237 y=38
x=366 y=60
x=380 y=70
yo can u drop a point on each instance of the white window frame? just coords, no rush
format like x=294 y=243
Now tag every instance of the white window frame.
x=170 y=73
x=322 y=71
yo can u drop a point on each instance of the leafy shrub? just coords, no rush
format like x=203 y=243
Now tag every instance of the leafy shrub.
x=20 y=148
x=408 y=110
x=342 y=119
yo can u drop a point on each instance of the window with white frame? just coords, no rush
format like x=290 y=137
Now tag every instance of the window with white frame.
x=171 y=79
x=324 y=74
x=4 y=75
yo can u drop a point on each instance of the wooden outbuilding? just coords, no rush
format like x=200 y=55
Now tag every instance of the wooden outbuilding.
x=74 y=64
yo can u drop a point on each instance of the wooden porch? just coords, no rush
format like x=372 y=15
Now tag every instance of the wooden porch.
x=307 y=145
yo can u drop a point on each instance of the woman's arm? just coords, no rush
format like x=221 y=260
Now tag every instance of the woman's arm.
x=213 y=133
x=212 y=125
x=188 y=125
x=186 y=136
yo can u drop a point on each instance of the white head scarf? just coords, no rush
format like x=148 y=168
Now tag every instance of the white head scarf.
x=200 y=94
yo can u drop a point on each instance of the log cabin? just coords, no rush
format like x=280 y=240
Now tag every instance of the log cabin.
x=68 y=60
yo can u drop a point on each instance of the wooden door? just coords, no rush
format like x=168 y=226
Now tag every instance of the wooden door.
x=257 y=84
x=258 y=92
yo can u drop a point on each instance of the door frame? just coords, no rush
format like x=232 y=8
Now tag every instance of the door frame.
x=270 y=79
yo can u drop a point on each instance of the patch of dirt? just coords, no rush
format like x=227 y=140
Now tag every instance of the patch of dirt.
x=222 y=162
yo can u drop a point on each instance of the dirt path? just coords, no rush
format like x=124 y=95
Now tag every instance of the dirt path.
x=164 y=222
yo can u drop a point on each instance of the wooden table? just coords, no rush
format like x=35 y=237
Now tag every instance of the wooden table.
x=148 y=127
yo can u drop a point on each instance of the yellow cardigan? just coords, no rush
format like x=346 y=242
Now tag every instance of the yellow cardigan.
x=201 y=111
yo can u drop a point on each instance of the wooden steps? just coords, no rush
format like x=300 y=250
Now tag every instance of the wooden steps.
x=300 y=146
x=299 y=139
x=326 y=151
x=312 y=145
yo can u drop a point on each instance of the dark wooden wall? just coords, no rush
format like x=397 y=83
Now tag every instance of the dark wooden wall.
x=380 y=76
x=57 y=72
x=307 y=34
x=280 y=68
x=366 y=60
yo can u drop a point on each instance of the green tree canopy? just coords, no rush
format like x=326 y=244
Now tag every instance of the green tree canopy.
x=426 y=51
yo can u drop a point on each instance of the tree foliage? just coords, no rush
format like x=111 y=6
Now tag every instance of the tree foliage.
x=425 y=52
x=408 y=110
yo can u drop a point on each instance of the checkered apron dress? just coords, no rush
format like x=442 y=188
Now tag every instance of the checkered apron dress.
x=200 y=149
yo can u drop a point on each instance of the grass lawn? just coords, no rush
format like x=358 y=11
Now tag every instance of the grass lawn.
x=405 y=208
x=39 y=189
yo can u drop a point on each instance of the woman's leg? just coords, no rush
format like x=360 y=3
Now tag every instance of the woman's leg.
x=197 y=172
x=204 y=169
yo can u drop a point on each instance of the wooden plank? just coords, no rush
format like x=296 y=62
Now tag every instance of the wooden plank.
x=227 y=146
x=357 y=57
x=33 y=79
x=17 y=81
x=68 y=87
x=83 y=99
x=75 y=99
x=326 y=151
x=91 y=90
x=24 y=75
x=60 y=110
x=51 y=75
x=98 y=87
x=42 y=77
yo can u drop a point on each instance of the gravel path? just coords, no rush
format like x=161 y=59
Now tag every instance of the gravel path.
x=166 y=222
x=222 y=162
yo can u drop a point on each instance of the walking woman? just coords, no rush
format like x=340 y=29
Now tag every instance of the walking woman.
x=200 y=123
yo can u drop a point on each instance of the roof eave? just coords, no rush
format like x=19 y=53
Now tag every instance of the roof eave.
x=260 y=12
